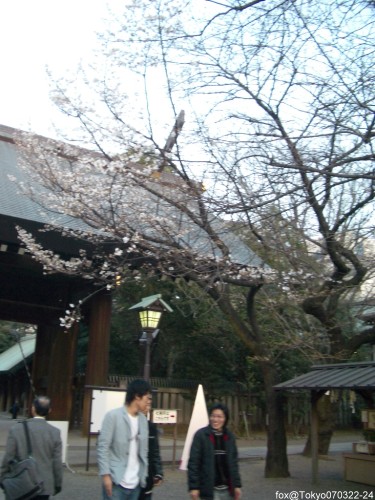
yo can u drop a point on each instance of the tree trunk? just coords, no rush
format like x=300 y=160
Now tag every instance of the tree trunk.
x=277 y=458
x=326 y=421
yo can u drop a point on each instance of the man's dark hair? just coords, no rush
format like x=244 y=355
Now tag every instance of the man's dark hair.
x=136 y=388
x=42 y=405
x=223 y=408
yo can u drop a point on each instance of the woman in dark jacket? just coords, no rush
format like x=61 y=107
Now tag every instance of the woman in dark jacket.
x=213 y=464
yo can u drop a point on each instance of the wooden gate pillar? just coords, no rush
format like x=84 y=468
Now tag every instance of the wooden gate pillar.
x=98 y=350
x=53 y=367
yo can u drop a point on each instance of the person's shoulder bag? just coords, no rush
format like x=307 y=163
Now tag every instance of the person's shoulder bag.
x=23 y=480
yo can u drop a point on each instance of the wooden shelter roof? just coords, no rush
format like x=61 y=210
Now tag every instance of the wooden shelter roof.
x=355 y=376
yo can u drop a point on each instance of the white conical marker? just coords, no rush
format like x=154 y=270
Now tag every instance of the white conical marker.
x=199 y=419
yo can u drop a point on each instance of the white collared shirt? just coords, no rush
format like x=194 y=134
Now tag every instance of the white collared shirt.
x=131 y=476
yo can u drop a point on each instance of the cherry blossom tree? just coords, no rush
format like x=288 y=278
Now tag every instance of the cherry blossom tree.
x=276 y=151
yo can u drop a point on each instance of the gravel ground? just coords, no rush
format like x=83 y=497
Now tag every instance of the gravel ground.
x=83 y=485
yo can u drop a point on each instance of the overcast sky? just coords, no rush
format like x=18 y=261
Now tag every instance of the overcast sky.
x=33 y=34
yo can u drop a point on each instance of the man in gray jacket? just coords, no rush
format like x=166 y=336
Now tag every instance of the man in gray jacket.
x=123 y=445
x=46 y=447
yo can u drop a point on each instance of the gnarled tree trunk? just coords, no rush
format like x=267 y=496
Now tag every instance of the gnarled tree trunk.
x=277 y=458
x=327 y=411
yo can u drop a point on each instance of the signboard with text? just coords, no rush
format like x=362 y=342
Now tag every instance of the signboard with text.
x=164 y=416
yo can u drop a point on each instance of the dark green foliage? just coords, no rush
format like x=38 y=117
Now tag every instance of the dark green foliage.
x=6 y=339
x=369 y=435
x=82 y=346
x=126 y=354
x=194 y=342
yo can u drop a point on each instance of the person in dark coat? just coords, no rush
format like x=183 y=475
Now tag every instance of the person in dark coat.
x=15 y=408
x=155 y=467
x=213 y=463
x=46 y=447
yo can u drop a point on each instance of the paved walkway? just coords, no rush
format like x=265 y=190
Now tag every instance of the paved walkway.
x=81 y=479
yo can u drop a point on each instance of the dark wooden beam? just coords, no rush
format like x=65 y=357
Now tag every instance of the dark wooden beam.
x=98 y=349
